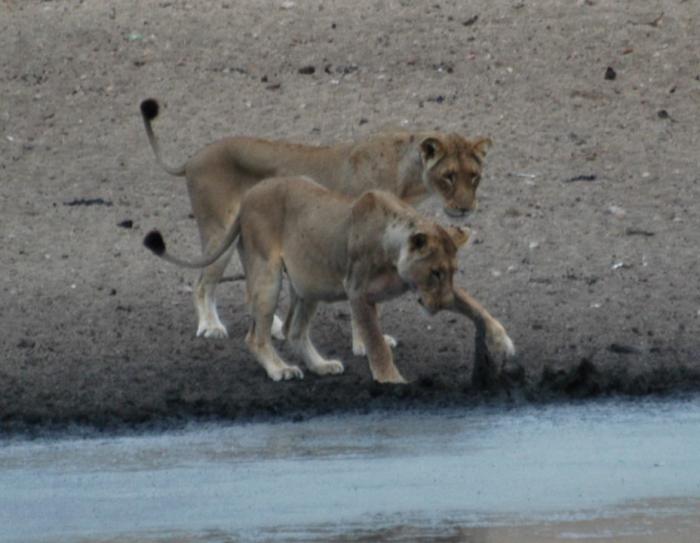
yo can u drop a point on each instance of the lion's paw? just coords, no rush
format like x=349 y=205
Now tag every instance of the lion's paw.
x=391 y=341
x=391 y=377
x=286 y=373
x=499 y=344
x=358 y=349
x=329 y=367
x=212 y=331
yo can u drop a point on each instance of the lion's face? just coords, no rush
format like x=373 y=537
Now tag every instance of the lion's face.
x=452 y=169
x=428 y=263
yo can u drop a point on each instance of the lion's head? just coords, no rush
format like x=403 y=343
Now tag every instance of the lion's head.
x=452 y=167
x=428 y=261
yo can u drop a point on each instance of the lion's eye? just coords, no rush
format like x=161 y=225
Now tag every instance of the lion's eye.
x=449 y=178
x=438 y=275
x=476 y=180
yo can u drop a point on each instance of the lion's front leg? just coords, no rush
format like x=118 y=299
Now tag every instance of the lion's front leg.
x=498 y=343
x=381 y=361
x=358 y=345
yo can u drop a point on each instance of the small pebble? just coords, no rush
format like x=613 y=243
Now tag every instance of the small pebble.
x=617 y=212
x=610 y=74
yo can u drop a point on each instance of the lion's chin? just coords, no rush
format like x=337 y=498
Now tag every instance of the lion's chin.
x=456 y=213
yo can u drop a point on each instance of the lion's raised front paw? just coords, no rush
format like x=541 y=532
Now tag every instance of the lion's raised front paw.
x=500 y=346
x=285 y=373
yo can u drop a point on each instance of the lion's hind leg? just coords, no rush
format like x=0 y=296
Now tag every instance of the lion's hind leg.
x=264 y=282
x=210 y=325
x=298 y=336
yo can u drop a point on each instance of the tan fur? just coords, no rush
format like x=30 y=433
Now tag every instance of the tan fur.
x=413 y=166
x=332 y=248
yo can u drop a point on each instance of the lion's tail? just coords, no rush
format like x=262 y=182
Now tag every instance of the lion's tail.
x=154 y=241
x=149 y=111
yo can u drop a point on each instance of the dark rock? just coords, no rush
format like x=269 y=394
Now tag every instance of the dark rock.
x=26 y=344
x=346 y=69
x=307 y=70
x=470 y=21
x=610 y=74
x=639 y=232
x=88 y=202
x=439 y=99
x=127 y=223
x=619 y=348
x=587 y=177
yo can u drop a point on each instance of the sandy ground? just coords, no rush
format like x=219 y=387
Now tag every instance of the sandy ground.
x=587 y=245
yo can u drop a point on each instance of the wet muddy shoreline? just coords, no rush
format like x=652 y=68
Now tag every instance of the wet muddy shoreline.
x=311 y=399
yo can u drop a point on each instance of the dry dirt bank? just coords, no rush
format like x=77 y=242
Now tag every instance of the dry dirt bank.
x=587 y=232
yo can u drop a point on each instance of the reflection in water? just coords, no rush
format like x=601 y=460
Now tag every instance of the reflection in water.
x=557 y=473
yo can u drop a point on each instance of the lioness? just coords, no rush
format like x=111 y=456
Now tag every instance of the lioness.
x=332 y=248
x=412 y=166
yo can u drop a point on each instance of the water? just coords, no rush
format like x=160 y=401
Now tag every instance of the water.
x=595 y=471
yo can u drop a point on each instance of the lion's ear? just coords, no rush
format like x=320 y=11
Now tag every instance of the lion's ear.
x=481 y=146
x=431 y=151
x=417 y=241
x=459 y=236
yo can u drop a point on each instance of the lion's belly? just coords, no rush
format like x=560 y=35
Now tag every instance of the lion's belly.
x=315 y=287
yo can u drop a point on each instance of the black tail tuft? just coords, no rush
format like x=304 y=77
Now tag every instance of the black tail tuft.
x=149 y=109
x=154 y=241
